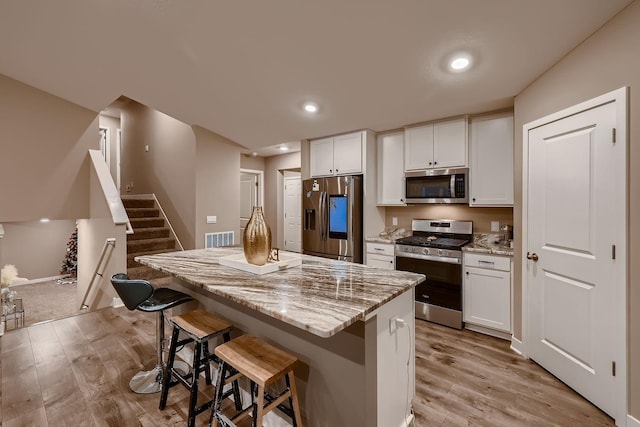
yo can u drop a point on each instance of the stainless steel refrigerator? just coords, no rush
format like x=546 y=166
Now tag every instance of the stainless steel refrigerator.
x=332 y=217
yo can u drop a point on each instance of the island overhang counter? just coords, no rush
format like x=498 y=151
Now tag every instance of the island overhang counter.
x=356 y=360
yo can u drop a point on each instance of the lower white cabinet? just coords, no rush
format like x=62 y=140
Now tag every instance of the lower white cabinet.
x=381 y=255
x=487 y=291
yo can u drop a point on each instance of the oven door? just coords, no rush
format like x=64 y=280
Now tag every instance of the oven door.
x=443 y=286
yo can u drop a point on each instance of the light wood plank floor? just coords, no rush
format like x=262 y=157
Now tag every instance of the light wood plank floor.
x=75 y=372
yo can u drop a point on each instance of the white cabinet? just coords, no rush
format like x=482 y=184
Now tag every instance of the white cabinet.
x=381 y=255
x=391 y=169
x=491 y=160
x=487 y=291
x=436 y=145
x=339 y=155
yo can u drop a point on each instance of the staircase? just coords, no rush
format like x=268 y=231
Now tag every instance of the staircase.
x=150 y=236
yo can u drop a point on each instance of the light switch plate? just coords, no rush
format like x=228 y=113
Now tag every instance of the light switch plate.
x=212 y=219
x=495 y=225
x=394 y=220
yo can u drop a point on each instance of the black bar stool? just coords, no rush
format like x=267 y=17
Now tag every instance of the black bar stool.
x=263 y=364
x=199 y=326
x=141 y=295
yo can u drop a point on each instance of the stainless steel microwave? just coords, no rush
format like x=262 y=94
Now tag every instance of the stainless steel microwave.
x=437 y=186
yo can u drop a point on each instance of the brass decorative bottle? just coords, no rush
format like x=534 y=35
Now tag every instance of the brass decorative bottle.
x=257 y=238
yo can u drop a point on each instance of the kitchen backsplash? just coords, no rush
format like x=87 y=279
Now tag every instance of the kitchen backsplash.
x=481 y=217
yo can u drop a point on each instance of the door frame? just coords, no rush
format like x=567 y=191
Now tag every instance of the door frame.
x=621 y=99
x=260 y=184
x=284 y=205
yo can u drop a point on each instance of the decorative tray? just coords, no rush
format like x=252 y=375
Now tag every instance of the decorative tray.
x=238 y=261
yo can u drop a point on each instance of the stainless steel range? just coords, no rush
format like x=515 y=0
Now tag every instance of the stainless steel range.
x=435 y=250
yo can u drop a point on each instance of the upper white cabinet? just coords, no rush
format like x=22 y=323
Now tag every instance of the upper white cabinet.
x=491 y=165
x=391 y=169
x=338 y=155
x=436 y=145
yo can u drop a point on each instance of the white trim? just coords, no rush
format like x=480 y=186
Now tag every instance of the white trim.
x=260 y=184
x=284 y=205
x=107 y=145
x=517 y=347
x=40 y=280
x=118 y=158
x=621 y=98
x=632 y=421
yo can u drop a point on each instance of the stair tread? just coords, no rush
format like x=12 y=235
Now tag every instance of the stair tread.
x=159 y=251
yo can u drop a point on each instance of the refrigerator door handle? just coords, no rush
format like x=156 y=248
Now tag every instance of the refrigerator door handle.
x=323 y=216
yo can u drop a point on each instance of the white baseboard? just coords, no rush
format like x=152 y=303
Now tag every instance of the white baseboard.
x=117 y=302
x=632 y=421
x=517 y=346
x=40 y=280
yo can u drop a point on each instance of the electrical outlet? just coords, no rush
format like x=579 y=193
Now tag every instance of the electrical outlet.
x=495 y=225
x=212 y=219
x=393 y=324
x=146 y=148
x=394 y=220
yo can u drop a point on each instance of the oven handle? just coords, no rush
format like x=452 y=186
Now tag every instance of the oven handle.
x=436 y=258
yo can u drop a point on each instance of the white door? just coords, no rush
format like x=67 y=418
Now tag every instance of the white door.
x=576 y=222
x=293 y=214
x=248 y=198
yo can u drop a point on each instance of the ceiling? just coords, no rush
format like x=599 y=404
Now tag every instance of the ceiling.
x=243 y=69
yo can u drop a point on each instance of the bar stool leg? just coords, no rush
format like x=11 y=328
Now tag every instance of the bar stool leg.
x=259 y=408
x=207 y=357
x=168 y=374
x=293 y=399
x=195 y=374
x=213 y=420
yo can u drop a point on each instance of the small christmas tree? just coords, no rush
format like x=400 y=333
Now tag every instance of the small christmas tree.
x=70 y=262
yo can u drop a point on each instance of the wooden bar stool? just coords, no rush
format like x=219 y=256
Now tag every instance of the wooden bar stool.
x=199 y=326
x=263 y=364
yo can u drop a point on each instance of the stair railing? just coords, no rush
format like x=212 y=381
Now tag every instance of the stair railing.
x=110 y=242
x=166 y=218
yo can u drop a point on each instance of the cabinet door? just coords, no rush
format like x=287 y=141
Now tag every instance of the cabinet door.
x=487 y=298
x=391 y=169
x=380 y=261
x=347 y=154
x=418 y=147
x=321 y=157
x=450 y=143
x=491 y=169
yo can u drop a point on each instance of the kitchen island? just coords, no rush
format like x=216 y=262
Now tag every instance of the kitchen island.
x=356 y=362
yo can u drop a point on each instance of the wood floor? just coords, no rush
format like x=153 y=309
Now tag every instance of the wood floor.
x=75 y=372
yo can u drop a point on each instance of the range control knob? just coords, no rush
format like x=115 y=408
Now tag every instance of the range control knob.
x=425 y=251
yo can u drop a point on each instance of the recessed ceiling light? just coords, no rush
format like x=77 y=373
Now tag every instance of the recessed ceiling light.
x=460 y=63
x=44 y=220
x=311 y=107
x=284 y=148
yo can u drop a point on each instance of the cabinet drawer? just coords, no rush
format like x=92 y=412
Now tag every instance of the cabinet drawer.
x=491 y=262
x=380 y=248
x=381 y=261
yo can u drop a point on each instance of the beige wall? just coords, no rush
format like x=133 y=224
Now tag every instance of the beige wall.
x=275 y=166
x=36 y=249
x=167 y=169
x=44 y=166
x=217 y=184
x=250 y=162
x=481 y=217
x=606 y=61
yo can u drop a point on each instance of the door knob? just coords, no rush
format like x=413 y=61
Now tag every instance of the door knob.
x=532 y=256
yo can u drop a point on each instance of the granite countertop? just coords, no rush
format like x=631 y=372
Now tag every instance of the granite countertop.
x=378 y=239
x=486 y=244
x=321 y=296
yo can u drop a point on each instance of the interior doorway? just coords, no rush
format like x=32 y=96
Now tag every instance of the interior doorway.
x=293 y=212
x=574 y=238
x=251 y=194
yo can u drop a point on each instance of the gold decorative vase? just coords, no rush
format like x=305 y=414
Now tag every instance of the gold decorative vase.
x=257 y=238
